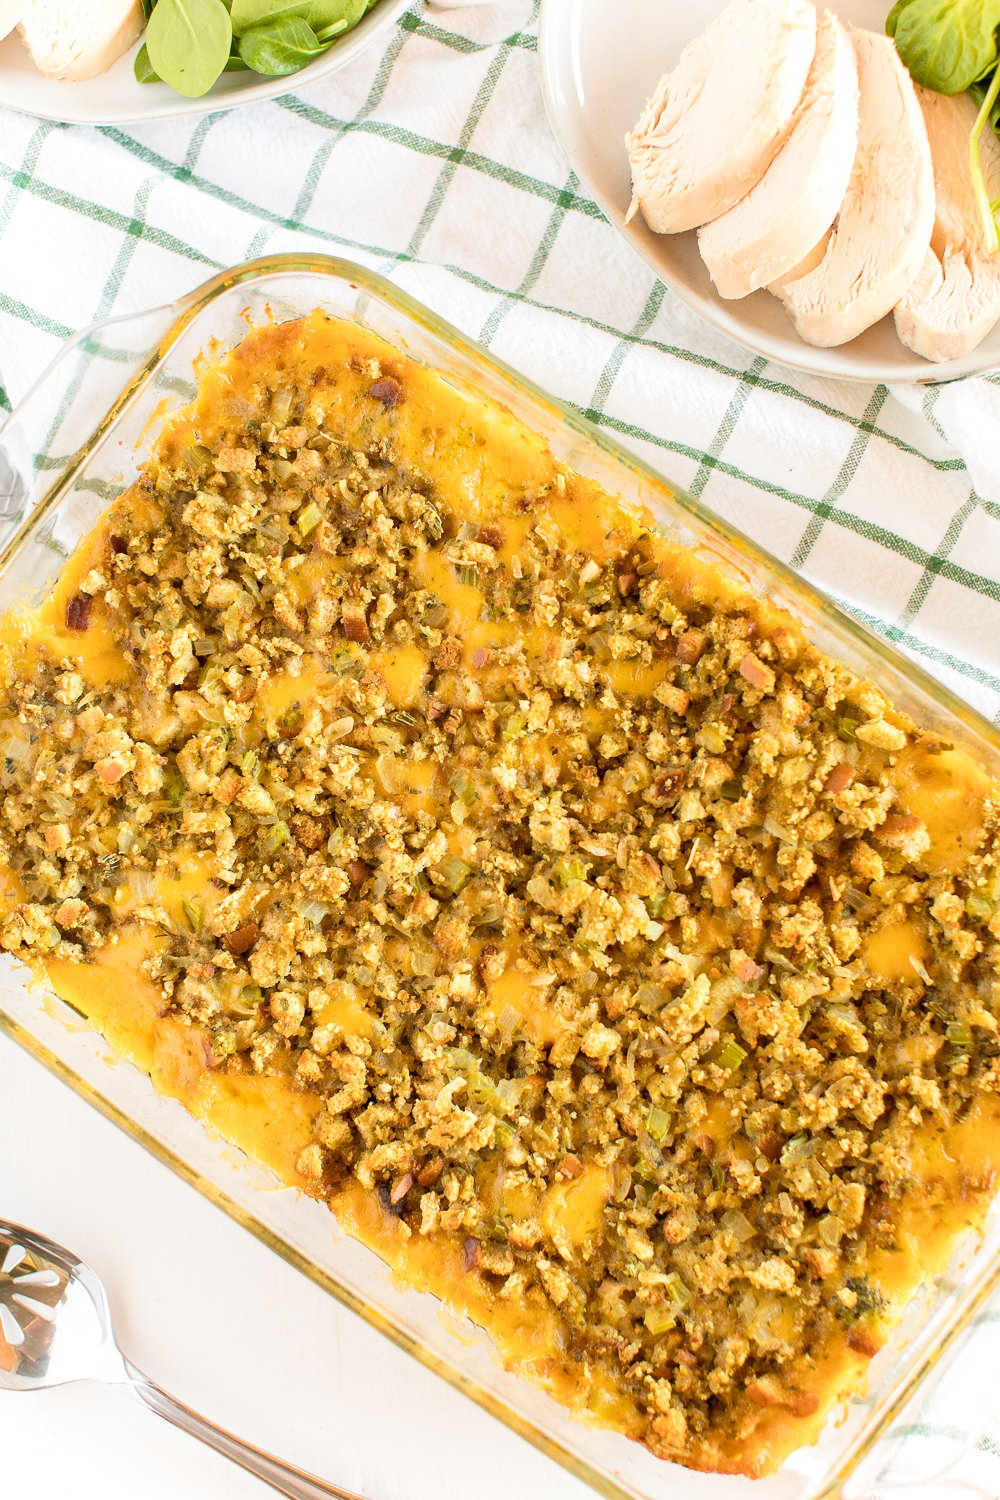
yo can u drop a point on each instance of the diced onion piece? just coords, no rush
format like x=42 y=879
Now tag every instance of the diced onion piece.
x=423 y=961
x=142 y=884
x=736 y=1223
x=798 y=1149
x=779 y=961
x=857 y=901
x=313 y=912
x=387 y=771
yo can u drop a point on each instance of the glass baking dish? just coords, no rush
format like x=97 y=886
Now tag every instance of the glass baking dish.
x=65 y=453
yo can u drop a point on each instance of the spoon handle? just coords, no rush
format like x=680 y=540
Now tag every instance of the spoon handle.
x=281 y=1476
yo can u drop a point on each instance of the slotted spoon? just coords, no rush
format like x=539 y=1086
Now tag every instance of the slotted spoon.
x=55 y=1327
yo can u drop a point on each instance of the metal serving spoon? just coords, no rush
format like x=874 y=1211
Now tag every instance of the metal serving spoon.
x=55 y=1327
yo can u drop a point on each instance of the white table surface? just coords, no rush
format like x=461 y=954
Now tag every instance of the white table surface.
x=224 y=1324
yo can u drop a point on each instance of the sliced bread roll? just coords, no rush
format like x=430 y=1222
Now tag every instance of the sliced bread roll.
x=75 y=39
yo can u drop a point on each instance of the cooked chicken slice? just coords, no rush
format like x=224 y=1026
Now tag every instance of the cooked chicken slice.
x=807 y=263
x=11 y=12
x=75 y=39
x=771 y=231
x=881 y=236
x=955 y=300
x=712 y=128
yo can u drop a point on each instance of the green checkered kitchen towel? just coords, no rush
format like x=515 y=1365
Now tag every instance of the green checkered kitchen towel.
x=432 y=162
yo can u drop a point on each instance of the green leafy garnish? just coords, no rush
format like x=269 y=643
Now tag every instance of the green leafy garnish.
x=946 y=44
x=143 y=68
x=987 y=209
x=280 y=48
x=950 y=46
x=188 y=43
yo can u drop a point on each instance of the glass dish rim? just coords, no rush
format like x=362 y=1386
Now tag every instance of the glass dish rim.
x=183 y=312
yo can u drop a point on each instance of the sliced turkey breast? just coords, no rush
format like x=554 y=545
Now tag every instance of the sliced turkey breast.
x=11 y=12
x=771 y=231
x=884 y=227
x=712 y=128
x=75 y=39
x=955 y=300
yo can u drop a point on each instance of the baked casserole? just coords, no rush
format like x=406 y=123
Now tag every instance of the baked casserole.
x=618 y=965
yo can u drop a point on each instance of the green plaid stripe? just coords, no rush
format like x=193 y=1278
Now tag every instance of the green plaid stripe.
x=432 y=161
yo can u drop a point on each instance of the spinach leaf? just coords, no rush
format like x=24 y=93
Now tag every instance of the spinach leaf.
x=344 y=14
x=143 y=68
x=247 y=15
x=188 y=43
x=946 y=44
x=323 y=16
x=987 y=210
x=281 y=48
x=979 y=92
x=892 y=18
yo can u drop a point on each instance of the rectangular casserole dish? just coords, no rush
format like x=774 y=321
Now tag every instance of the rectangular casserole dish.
x=66 y=452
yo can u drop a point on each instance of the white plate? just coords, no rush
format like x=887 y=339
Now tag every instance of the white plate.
x=600 y=61
x=115 y=98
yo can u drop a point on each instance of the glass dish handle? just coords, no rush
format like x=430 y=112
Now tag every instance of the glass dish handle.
x=95 y=371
